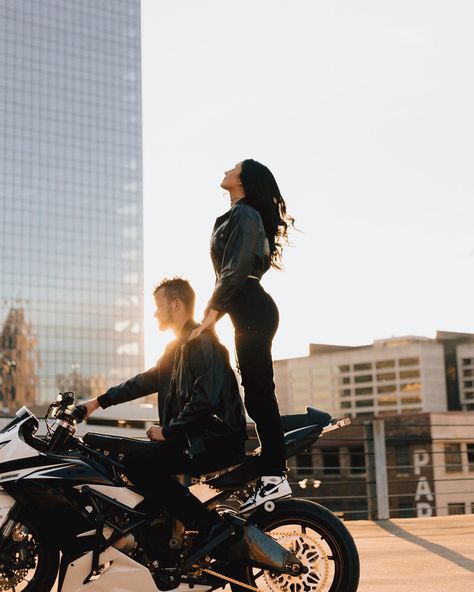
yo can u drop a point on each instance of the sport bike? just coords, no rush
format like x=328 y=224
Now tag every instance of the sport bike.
x=70 y=519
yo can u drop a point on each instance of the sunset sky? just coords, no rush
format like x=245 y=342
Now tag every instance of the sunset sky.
x=363 y=111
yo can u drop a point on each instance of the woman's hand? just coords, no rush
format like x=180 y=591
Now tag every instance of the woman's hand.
x=208 y=322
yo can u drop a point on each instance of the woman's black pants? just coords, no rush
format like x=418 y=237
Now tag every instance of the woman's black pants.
x=255 y=317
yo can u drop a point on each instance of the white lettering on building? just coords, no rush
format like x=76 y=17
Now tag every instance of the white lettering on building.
x=421 y=458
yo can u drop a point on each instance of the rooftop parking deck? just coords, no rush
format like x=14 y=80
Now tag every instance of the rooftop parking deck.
x=416 y=554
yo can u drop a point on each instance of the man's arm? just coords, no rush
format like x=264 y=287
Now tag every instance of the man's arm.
x=140 y=385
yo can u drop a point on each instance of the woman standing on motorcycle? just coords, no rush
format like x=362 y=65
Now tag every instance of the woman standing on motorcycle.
x=246 y=241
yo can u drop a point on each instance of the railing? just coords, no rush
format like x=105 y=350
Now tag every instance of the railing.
x=376 y=468
x=410 y=468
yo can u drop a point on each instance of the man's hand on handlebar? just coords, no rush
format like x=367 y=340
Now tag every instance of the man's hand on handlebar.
x=91 y=405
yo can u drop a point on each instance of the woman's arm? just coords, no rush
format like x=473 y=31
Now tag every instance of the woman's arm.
x=237 y=263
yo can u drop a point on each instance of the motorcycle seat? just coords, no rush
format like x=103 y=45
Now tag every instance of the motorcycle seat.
x=312 y=417
x=114 y=445
x=118 y=446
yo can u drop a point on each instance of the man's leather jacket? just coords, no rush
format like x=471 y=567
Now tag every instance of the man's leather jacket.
x=197 y=389
x=239 y=249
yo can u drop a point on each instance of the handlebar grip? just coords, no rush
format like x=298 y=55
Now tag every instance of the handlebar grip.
x=79 y=413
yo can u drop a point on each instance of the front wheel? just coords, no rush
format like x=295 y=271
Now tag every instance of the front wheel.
x=28 y=560
x=318 y=539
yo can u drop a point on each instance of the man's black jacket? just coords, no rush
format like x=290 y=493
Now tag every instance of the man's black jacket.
x=197 y=389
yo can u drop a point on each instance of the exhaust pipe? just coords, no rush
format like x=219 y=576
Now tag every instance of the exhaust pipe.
x=259 y=549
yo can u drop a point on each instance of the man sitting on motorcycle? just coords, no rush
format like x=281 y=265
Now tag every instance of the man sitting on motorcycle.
x=202 y=420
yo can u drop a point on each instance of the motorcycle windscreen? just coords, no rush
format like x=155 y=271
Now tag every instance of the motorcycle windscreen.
x=20 y=416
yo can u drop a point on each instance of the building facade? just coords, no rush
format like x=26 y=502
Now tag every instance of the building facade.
x=397 y=375
x=71 y=197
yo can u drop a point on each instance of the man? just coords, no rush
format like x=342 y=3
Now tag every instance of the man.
x=202 y=419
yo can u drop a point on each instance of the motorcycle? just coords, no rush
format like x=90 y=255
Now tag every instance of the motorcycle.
x=70 y=518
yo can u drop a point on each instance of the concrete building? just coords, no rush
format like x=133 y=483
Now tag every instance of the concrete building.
x=397 y=375
x=70 y=195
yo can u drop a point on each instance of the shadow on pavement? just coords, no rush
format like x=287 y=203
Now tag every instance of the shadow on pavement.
x=456 y=558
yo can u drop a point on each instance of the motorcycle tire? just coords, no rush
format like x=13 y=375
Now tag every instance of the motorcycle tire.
x=29 y=541
x=320 y=541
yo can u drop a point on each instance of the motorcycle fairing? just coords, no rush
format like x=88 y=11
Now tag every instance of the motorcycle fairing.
x=123 y=495
x=119 y=573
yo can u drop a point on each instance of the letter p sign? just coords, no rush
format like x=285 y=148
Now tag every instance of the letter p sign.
x=420 y=459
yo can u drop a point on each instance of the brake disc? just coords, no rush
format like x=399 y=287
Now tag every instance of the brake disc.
x=312 y=555
x=10 y=581
x=17 y=561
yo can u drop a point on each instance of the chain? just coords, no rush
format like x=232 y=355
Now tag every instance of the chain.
x=231 y=580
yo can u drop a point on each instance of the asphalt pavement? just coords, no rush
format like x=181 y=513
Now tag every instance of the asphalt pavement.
x=416 y=554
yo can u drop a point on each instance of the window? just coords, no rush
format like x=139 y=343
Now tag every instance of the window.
x=456 y=508
x=356 y=460
x=368 y=390
x=304 y=463
x=331 y=461
x=363 y=378
x=409 y=362
x=468 y=383
x=468 y=372
x=467 y=361
x=344 y=368
x=452 y=458
x=389 y=388
x=409 y=374
x=470 y=456
x=386 y=376
x=364 y=366
x=346 y=393
x=411 y=400
x=385 y=364
x=410 y=387
x=387 y=401
x=365 y=403
x=403 y=460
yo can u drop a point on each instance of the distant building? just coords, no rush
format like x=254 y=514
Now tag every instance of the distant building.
x=18 y=362
x=398 y=375
x=71 y=194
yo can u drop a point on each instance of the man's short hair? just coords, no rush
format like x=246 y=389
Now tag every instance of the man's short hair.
x=178 y=288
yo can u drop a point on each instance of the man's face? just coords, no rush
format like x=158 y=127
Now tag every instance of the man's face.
x=164 y=312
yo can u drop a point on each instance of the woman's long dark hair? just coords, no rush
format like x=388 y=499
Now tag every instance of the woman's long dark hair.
x=262 y=193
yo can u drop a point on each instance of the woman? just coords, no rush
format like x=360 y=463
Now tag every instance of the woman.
x=246 y=241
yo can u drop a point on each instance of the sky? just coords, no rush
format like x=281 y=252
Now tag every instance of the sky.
x=364 y=113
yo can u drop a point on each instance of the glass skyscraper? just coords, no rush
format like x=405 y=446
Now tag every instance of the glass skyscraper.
x=71 y=238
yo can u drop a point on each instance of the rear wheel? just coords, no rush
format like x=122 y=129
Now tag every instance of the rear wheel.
x=317 y=538
x=28 y=560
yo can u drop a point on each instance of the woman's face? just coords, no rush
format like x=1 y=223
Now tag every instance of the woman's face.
x=231 y=178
